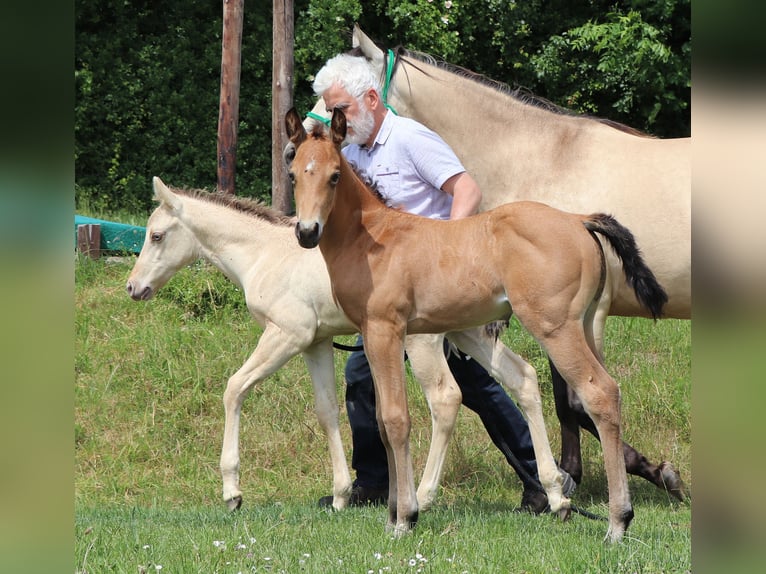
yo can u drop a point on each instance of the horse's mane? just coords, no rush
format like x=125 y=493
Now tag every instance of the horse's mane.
x=521 y=94
x=369 y=184
x=246 y=205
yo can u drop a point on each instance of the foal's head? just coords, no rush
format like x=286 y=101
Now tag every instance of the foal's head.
x=314 y=170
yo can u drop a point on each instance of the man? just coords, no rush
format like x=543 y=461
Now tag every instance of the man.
x=417 y=172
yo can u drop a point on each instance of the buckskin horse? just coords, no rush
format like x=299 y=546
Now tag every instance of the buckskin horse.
x=395 y=273
x=520 y=147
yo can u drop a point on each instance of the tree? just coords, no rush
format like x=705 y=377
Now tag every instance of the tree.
x=147 y=74
x=621 y=68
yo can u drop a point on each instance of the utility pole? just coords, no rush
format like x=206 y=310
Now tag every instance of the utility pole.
x=228 y=109
x=282 y=101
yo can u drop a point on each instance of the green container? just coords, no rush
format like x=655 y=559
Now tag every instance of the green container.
x=114 y=236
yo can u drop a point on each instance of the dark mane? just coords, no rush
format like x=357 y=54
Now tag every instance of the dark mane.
x=521 y=94
x=369 y=184
x=246 y=205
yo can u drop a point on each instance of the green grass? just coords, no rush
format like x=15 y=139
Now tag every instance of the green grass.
x=149 y=421
x=295 y=536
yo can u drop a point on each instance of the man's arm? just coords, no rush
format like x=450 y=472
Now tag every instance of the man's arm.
x=465 y=193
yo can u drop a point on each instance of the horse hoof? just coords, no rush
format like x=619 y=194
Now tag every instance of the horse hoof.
x=564 y=513
x=401 y=530
x=234 y=503
x=671 y=480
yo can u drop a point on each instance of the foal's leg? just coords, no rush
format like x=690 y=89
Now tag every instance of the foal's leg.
x=572 y=416
x=430 y=368
x=319 y=360
x=274 y=349
x=520 y=378
x=384 y=346
x=569 y=350
x=663 y=475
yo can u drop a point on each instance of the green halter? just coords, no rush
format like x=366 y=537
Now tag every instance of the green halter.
x=324 y=120
x=389 y=73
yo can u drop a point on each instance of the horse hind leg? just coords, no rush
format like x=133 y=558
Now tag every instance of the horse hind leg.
x=443 y=395
x=572 y=417
x=664 y=475
x=600 y=395
x=520 y=379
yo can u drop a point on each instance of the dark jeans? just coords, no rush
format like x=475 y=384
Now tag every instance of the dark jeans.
x=504 y=422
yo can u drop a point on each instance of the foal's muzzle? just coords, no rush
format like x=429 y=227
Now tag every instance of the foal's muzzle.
x=308 y=237
x=139 y=295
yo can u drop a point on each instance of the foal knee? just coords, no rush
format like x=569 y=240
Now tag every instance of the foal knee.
x=397 y=428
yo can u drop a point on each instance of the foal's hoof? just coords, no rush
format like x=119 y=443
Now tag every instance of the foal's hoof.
x=564 y=513
x=234 y=503
x=399 y=530
x=671 y=480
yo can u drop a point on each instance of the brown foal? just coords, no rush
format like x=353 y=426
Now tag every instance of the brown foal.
x=395 y=273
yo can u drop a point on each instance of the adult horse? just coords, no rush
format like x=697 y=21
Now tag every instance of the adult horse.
x=395 y=273
x=287 y=290
x=519 y=147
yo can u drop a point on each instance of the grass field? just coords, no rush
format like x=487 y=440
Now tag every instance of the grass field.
x=149 y=423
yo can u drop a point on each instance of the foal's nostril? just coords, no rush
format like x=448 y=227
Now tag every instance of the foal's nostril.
x=129 y=287
x=307 y=237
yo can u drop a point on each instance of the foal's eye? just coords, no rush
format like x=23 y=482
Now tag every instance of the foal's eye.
x=158 y=236
x=334 y=178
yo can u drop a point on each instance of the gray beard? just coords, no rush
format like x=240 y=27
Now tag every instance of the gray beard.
x=362 y=127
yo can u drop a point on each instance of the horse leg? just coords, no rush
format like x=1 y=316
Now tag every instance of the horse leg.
x=520 y=378
x=578 y=364
x=572 y=417
x=663 y=475
x=571 y=457
x=384 y=346
x=319 y=360
x=274 y=349
x=430 y=368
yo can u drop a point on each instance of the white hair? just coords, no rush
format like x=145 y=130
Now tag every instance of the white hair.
x=353 y=73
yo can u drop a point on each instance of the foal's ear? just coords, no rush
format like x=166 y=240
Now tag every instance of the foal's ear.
x=294 y=127
x=163 y=194
x=338 y=127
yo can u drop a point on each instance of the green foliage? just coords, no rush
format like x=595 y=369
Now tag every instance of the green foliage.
x=604 y=68
x=317 y=38
x=430 y=25
x=147 y=74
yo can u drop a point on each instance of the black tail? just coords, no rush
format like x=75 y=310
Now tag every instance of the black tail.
x=648 y=291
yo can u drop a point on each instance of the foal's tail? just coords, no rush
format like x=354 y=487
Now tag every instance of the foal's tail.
x=649 y=292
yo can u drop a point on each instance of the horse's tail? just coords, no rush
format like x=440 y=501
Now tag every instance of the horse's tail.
x=649 y=292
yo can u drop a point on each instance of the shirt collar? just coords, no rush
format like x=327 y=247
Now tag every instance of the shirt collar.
x=385 y=130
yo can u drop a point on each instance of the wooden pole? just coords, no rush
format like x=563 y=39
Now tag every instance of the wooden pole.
x=89 y=239
x=282 y=101
x=228 y=110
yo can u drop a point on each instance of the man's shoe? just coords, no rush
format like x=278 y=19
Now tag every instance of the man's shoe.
x=361 y=496
x=533 y=501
